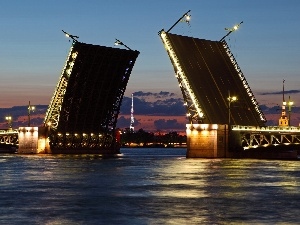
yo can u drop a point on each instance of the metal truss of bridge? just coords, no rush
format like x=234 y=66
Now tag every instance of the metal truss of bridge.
x=9 y=137
x=252 y=137
x=208 y=75
x=83 y=111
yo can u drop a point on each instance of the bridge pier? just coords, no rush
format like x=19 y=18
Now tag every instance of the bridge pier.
x=33 y=140
x=216 y=141
x=207 y=141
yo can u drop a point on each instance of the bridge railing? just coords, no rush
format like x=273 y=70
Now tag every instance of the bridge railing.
x=266 y=128
x=9 y=131
x=244 y=81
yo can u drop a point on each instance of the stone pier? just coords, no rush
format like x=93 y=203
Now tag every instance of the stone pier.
x=33 y=140
x=207 y=140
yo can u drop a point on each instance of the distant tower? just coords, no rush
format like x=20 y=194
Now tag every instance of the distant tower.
x=131 y=115
x=283 y=121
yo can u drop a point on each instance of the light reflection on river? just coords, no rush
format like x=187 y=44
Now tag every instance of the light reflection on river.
x=147 y=186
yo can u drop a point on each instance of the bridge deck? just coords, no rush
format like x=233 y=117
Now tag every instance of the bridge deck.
x=94 y=81
x=211 y=75
x=83 y=112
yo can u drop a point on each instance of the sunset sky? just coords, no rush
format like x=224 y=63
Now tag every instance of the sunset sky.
x=33 y=48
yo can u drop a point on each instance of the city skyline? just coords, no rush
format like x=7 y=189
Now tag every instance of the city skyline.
x=33 y=47
x=162 y=111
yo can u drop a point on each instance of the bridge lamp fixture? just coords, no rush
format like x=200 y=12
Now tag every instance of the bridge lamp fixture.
x=235 y=27
x=30 y=108
x=230 y=30
x=187 y=18
x=118 y=42
x=230 y=100
x=184 y=18
x=73 y=37
x=9 y=120
x=48 y=127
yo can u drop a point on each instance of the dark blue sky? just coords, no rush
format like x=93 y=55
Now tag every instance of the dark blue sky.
x=33 y=48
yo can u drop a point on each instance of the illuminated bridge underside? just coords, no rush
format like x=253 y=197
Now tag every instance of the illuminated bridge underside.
x=206 y=72
x=84 y=108
x=9 y=137
x=257 y=137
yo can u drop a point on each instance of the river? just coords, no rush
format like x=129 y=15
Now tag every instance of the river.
x=147 y=186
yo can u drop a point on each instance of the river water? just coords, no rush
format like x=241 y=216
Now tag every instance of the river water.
x=147 y=186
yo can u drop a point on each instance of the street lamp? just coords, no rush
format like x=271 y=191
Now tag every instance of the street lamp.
x=230 y=100
x=73 y=37
x=290 y=103
x=30 y=108
x=48 y=127
x=118 y=42
x=230 y=30
x=185 y=18
x=9 y=121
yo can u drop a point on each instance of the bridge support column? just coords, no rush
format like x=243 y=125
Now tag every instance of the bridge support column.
x=206 y=140
x=33 y=140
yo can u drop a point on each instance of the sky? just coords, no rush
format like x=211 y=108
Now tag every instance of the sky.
x=33 y=48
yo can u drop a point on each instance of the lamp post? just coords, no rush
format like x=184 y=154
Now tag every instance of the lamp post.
x=230 y=100
x=185 y=18
x=30 y=108
x=118 y=42
x=73 y=37
x=9 y=121
x=290 y=103
x=48 y=128
x=230 y=30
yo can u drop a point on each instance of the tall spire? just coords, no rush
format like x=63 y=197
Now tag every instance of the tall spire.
x=283 y=91
x=131 y=115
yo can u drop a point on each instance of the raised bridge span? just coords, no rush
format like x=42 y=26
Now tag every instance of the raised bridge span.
x=83 y=111
x=211 y=81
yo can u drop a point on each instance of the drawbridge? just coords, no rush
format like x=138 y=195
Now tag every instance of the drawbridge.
x=83 y=112
x=222 y=111
x=82 y=115
x=208 y=74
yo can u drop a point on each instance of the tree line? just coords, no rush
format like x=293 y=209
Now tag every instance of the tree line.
x=141 y=138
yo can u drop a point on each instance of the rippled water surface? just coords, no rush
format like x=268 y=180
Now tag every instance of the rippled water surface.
x=147 y=186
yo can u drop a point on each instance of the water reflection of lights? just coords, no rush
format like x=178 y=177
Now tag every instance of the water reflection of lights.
x=192 y=180
x=183 y=180
x=150 y=189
